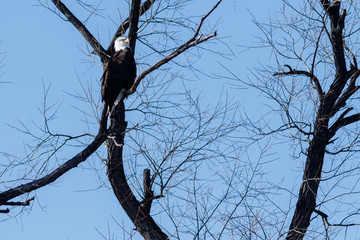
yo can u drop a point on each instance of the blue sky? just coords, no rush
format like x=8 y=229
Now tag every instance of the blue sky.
x=40 y=49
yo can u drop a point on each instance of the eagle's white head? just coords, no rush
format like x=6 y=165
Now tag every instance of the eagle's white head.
x=121 y=43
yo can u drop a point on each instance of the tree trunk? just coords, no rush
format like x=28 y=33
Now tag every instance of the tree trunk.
x=311 y=179
x=144 y=223
x=327 y=109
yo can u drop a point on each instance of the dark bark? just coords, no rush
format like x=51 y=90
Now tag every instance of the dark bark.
x=148 y=193
x=134 y=20
x=125 y=24
x=51 y=177
x=5 y=211
x=139 y=213
x=341 y=74
x=330 y=104
x=311 y=180
x=144 y=223
x=25 y=203
x=98 y=49
x=62 y=169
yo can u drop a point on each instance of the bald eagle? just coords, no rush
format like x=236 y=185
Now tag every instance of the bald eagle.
x=119 y=73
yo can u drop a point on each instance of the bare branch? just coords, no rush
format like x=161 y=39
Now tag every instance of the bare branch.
x=5 y=211
x=167 y=59
x=341 y=122
x=125 y=24
x=26 y=203
x=203 y=19
x=134 y=20
x=337 y=26
x=195 y=40
x=324 y=216
x=350 y=90
x=312 y=77
x=144 y=223
x=51 y=177
x=98 y=49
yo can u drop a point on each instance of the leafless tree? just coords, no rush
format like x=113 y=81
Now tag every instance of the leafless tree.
x=314 y=84
x=170 y=137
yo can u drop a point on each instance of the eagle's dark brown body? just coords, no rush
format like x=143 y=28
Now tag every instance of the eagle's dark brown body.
x=119 y=73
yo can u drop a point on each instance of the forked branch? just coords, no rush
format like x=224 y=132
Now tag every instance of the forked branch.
x=126 y=24
x=324 y=216
x=196 y=39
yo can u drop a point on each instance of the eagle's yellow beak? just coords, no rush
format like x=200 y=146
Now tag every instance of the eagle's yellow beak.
x=127 y=40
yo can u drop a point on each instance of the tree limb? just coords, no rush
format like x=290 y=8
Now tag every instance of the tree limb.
x=134 y=20
x=98 y=49
x=341 y=122
x=5 y=211
x=312 y=77
x=315 y=158
x=324 y=216
x=26 y=203
x=195 y=40
x=125 y=24
x=54 y=175
x=138 y=213
x=144 y=223
x=336 y=39
x=167 y=59
x=350 y=90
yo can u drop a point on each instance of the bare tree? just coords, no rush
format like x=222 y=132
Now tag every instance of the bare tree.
x=315 y=86
x=175 y=137
x=169 y=155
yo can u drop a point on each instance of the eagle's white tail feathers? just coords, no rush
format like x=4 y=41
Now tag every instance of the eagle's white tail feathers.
x=120 y=96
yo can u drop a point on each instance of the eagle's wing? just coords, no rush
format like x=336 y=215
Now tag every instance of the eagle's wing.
x=131 y=68
x=119 y=73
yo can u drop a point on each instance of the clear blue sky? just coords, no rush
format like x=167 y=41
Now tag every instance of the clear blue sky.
x=42 y=49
